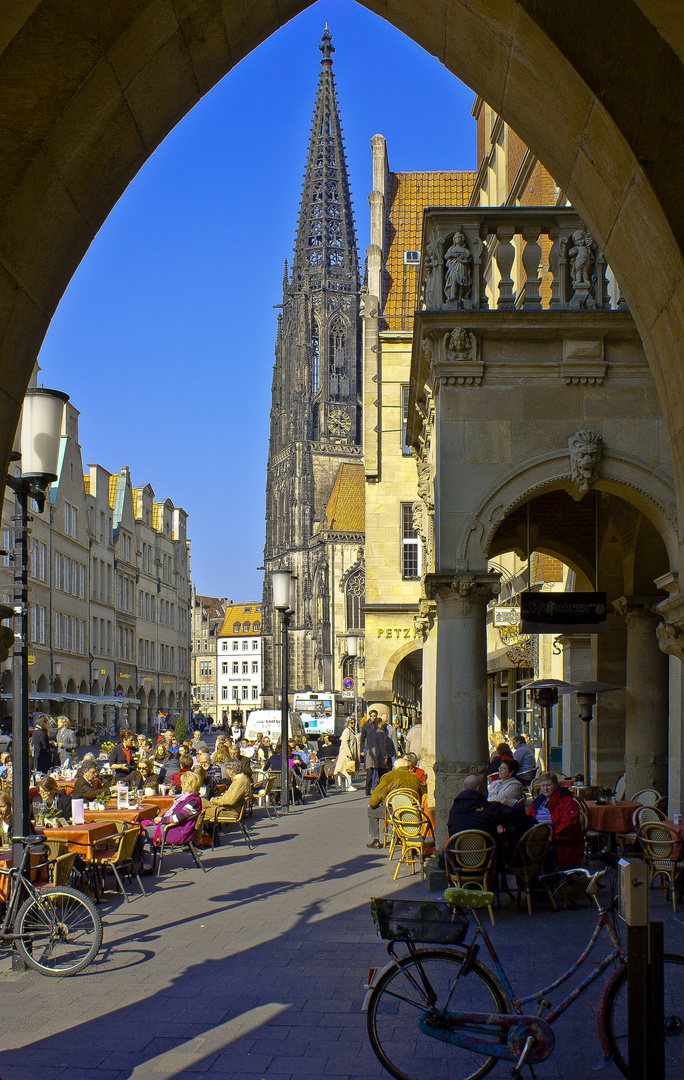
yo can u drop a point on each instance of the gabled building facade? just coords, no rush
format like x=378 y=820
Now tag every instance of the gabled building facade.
x=239 y=661
x=208 y=614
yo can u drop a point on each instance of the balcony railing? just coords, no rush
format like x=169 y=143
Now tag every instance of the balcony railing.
x=461 y=247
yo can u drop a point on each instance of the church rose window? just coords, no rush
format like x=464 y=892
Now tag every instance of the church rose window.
x=355 y=592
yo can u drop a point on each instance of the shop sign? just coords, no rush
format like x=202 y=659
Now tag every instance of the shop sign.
x=397 y=633
x=563 y=613
x=31 y=658
x=506 y=616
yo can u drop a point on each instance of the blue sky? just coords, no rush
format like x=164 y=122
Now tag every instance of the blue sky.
x=164 y=337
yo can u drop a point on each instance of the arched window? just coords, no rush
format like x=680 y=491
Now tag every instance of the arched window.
x=236 y=627
x=339 y=379
x=348 y=667
x=315 y=359
x=256 y=627
x=355 y=592
x=245 y=628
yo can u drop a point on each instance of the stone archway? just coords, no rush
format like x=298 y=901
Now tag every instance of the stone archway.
x=122 y=75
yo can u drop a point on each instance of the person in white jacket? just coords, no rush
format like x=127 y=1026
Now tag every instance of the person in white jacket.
x=348 y=752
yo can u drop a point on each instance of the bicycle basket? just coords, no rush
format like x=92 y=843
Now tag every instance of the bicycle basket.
x=419 y=920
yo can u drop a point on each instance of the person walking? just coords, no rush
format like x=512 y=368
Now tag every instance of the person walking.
x=377 y=756
x=347 y=757
x=66 y=741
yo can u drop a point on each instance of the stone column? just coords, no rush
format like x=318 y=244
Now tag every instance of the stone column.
x=425 y=625
x=646 y=705
x=576 y=668
x=461 y=682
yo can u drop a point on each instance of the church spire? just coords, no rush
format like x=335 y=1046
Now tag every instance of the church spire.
x=326 y=240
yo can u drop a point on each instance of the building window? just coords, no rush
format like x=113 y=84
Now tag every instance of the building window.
x=256 y=628
x=236 y=628
x=224 y=646
x=236 y=667
x=235 y=646
x=224 y=693
x=245 y=644
x=67 y=516
x=224 y=667
x=245 y=667
x=354 y=594
x=404 y=420
x=410 y=544
x=255 y=644
x=255 y=693
x=236 y=693
x=245 y=693
x=315 y=359
x=255 y=667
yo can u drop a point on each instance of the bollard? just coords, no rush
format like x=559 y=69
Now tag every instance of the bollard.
x=645 y=993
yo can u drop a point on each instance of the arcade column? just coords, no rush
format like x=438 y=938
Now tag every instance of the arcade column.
x=460 y=732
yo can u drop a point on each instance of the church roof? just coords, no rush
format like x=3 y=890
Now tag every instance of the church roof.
x=409 y=194
x=345 y=511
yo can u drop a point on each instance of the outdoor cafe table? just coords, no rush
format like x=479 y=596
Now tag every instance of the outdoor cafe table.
x=81 y=839
x=6 y=863
x=679 y=829
x=611 y=818
x=159 y=803
x=132 y=814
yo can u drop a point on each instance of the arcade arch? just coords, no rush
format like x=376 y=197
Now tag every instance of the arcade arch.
x=114 y=90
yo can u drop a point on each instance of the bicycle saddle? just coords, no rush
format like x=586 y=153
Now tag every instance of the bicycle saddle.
x=468 y=898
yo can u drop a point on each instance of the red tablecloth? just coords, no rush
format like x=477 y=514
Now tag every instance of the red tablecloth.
x=679 y=829
x=611 y=818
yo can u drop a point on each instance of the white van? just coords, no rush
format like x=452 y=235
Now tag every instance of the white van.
x=266 y=722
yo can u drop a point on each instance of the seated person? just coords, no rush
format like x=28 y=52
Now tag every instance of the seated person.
x=87 y=785
x=325 y=748
x=6 y=829
x=161 y=761
x=263 y=750
x=54 y=796
x=182 y=815
x=148 y=777
x=214 y=771
x=231 y=802
x=185 y=765
x=501 y=752
x=524 y=755
x=413 y=766
x=5 y=760
x=507 y=789
x=556 y=807
x=238 y=758
x=401 y=776
x=207 y=788
x=470 y=810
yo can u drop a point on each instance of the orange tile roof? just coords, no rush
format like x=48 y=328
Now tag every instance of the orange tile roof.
x=409 y=194
x=345 y=511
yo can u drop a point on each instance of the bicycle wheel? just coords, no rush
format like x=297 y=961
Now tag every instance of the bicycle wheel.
x=65 y=929
x=425 y=983
x=616 y=1018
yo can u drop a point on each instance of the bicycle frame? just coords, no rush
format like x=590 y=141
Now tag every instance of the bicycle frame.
x=529 y=1037
x=20 y=888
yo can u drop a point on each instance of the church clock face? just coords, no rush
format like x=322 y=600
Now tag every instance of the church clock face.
x=339 y=421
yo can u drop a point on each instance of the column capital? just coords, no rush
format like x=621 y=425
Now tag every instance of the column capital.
x=637 y=608
x=464 y=587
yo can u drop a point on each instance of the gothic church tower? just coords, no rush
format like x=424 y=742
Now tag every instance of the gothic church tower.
x=316 y=409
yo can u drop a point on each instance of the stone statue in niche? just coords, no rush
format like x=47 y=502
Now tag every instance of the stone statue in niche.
x=433 y=260
x=424 y=479
x=582 y=256
x=458 y=280
x=585 y=454
x=459 y=345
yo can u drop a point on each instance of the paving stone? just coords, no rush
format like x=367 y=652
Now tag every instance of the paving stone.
x=247 y=974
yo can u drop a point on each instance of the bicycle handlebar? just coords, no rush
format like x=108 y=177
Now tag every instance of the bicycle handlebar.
x=28 y=841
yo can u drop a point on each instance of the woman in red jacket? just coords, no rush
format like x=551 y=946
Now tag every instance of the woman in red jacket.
x=556 y=807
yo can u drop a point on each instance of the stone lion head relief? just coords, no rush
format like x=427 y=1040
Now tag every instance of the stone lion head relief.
x=459 y=345
x=585 y=455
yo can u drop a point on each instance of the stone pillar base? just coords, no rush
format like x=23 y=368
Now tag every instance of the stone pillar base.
x=449 y=777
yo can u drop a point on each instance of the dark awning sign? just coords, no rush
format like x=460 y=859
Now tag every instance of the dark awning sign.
x=563 y=613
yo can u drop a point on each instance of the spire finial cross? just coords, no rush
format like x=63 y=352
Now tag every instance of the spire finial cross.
x=326 y=46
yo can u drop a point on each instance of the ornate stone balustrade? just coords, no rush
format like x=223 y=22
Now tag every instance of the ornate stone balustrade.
x=459 y=246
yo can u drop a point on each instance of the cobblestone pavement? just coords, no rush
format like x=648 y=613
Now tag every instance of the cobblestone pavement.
x=256 y=971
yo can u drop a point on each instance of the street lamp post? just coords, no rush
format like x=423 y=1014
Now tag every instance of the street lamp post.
x=352 y=653
x=283 y=584
x=41 y=430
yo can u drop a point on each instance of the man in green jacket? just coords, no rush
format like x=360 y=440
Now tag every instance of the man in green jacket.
x=401 y=776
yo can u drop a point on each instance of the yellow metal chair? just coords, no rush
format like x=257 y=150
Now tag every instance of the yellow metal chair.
x=230 y=815
x=413 y=830
x=662 y=848
x=527 y=862
x=395 y=799
x=189 y=845
x=470 y=861
x=119 y=859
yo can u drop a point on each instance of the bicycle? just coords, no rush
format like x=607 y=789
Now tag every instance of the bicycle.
x=57 y=930
x=442 y=1014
